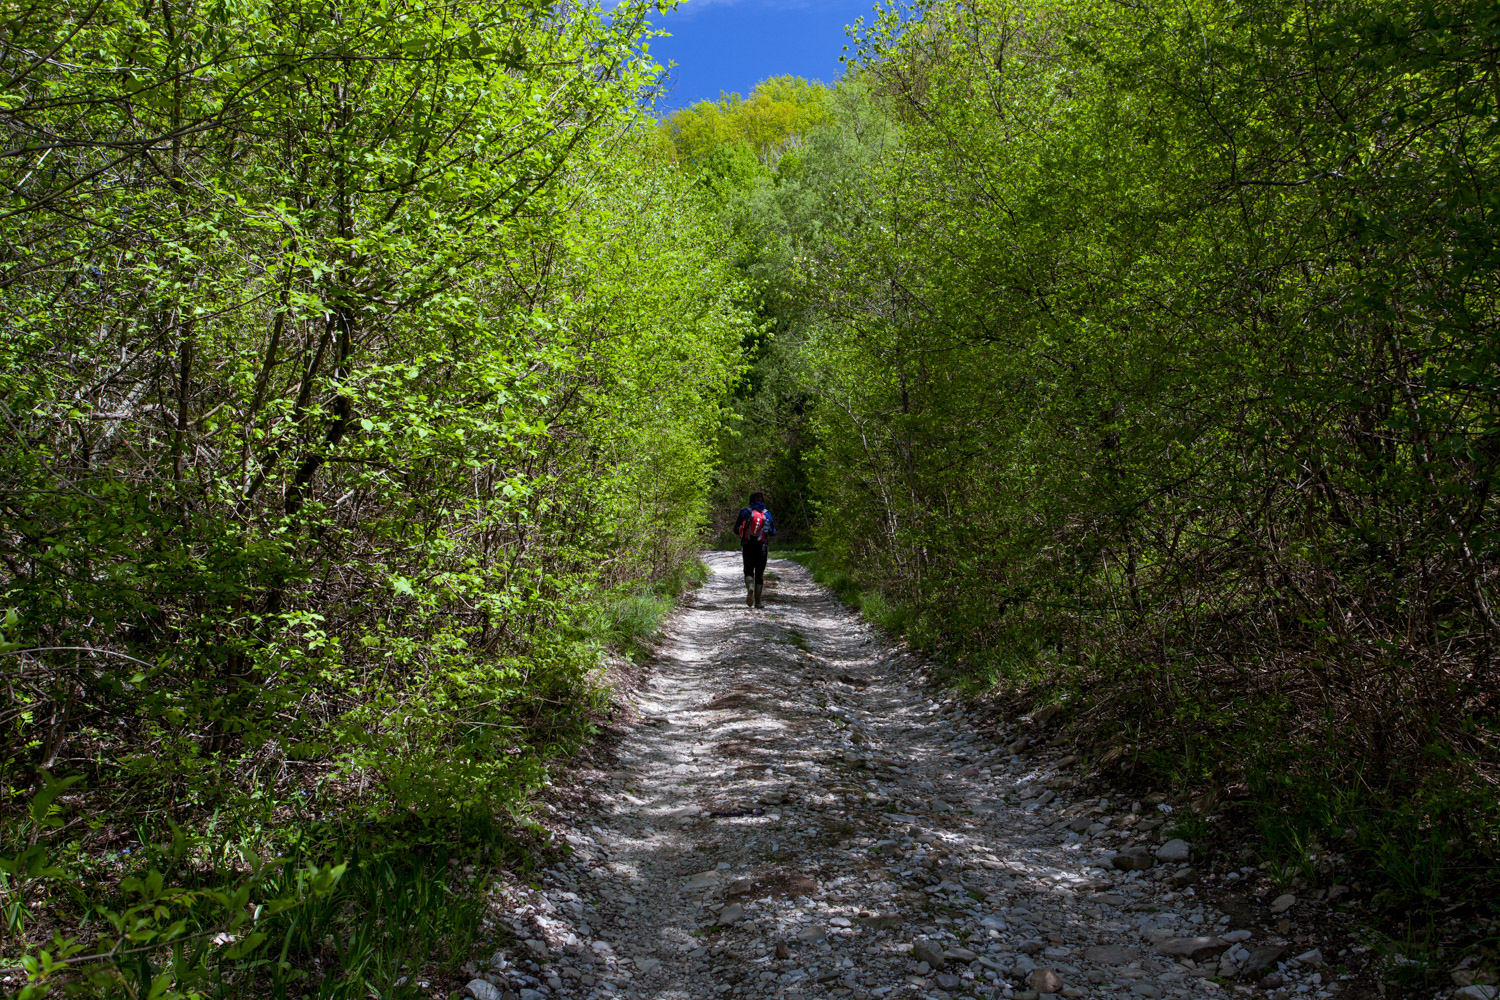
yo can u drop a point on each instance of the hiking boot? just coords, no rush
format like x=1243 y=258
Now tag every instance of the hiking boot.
x=757 y=595
x=749 y=591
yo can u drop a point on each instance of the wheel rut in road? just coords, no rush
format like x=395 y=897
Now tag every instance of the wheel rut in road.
x=794 y=813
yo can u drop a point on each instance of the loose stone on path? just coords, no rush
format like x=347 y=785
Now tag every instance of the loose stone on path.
x=795 y=815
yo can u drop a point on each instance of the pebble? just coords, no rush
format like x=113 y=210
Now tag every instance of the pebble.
x=1133 y=859
x=1045 y=981
x=816 y=821
x=703 y=880
x=479 y=989
x=924 y=950
x=1173 y=851
x=1195 y=948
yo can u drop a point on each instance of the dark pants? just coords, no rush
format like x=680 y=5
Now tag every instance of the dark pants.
x=755 y=554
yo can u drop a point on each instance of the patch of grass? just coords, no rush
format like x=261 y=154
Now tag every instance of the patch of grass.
x=390 y=918
x=826 y=574
x=1190 y=826
x=686 y=575
x=882 y=611
x=632 y=623
x=1423 y=844
x=1411 y=955
x=351 y=911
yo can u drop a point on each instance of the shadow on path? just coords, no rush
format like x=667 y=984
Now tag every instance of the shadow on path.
x=794 y=816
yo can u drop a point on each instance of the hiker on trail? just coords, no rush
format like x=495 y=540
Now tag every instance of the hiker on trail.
x=755 y=528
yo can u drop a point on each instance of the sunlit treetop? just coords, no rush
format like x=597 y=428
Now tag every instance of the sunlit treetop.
x=778 y=113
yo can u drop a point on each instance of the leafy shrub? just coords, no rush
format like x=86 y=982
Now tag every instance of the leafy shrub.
x=1129 y=381
x=342 y=397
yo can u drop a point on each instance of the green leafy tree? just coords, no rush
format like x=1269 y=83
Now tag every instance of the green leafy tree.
x=778 y=114
x=1152 y=356
x=356 y=357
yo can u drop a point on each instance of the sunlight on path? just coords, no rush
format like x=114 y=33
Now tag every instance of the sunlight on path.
x=794 y=816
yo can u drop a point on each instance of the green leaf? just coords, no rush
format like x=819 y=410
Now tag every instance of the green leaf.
x=42 y=801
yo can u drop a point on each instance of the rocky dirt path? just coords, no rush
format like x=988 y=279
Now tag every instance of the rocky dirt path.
x=793 y=815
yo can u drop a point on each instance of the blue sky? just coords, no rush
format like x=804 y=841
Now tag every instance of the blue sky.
x=730 y=45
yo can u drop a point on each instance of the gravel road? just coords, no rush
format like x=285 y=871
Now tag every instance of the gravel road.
x=794 y=814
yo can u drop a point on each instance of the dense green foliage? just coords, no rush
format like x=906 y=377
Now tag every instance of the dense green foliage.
x=746 y=158
x=367 y=373
x=775 y=117
x=358 y=361
x=1154 y=357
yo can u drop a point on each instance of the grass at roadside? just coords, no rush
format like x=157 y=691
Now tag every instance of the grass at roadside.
x=632 y=623
x=295 y=905
x=871 y=603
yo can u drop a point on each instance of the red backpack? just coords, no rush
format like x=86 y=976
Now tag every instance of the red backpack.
x=753 y=528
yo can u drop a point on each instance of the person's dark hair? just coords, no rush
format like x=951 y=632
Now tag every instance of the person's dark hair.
x=757 y=497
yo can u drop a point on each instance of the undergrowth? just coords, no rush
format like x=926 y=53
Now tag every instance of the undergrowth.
x=294 y=887
x=632 y=623
x=345 y=912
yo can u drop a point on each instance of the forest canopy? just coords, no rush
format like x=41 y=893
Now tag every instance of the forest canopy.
x=778 y=114
x=361 y=367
